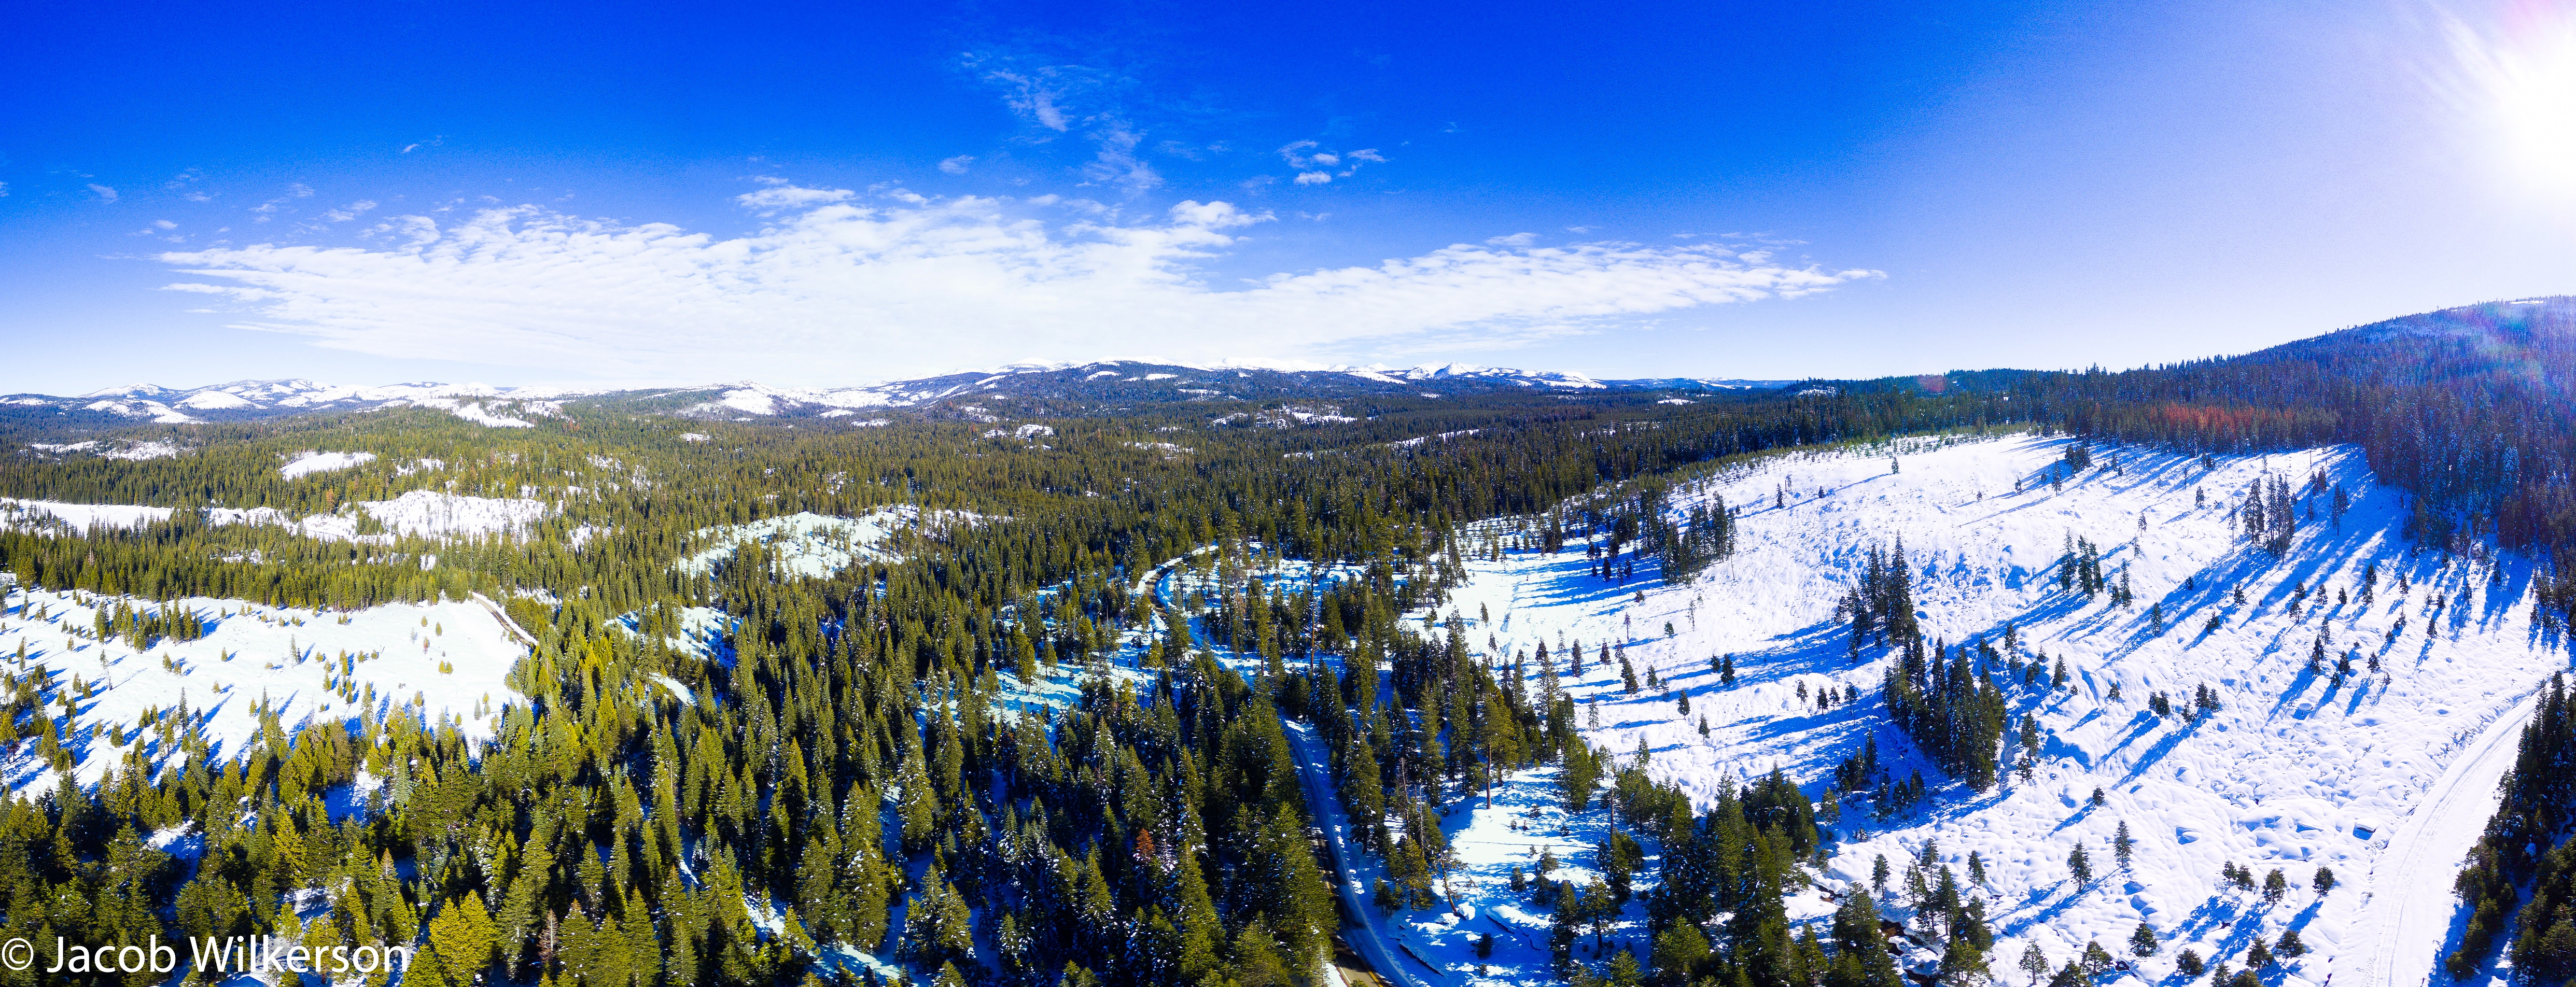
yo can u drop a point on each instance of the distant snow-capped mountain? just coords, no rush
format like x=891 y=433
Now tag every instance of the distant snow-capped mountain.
x=1128 y=382
x=1040 y=388
x=254 y=399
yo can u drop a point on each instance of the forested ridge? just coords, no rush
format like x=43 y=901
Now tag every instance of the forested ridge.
x=2471 y=410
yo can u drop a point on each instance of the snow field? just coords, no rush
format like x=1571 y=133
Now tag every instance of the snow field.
x=814 y=545
x=324 y=462
x=427 y=513
x=2293 y=773
x=440 y=660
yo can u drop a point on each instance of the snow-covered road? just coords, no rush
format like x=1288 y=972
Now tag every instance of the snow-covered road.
x=1371 y=938
x=2408 y=914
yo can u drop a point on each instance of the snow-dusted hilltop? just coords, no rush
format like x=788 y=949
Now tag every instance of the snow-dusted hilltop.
x=1133 y=381
x=255 y=399
x=2376 y=761
x=1125 y=381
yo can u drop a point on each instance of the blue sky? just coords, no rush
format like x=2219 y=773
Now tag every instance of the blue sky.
x=805 y=196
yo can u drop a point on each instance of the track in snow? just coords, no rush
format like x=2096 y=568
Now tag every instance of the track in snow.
x=2407 y=917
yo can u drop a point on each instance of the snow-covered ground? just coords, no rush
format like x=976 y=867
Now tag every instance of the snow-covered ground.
x=2294 y=773
x=427 y=513
x=434 y=514
x=814 y=545
x=127 y=449
x=704 y=631
x=324 y=462
x=439 y=660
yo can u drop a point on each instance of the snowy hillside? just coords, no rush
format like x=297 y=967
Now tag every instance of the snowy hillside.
x=2385 y=777
x=441 y=660
x=427 y=513
x=495 y=407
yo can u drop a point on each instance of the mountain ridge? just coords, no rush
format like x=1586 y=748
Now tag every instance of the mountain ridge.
x=1099 y=380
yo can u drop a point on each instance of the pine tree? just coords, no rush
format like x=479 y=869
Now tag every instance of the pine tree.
x=2079 y=865
x=2034 y=963
x=2290 y=944
x=2097 y=960
x=2143 y=941
x=2122 y=845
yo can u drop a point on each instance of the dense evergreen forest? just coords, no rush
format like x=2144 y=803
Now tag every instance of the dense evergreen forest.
x=859 y=778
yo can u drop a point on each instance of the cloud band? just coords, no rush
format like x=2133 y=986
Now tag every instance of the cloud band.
x=839 y=290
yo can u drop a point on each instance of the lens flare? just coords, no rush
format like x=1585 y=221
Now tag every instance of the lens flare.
x=2518 y=80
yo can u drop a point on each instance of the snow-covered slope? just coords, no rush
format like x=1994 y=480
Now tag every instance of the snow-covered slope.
x=441 y=660
x=2293 y=773
x=428 y=513
x=252 y=399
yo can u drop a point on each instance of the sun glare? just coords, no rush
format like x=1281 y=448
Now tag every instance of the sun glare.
x=2519 y=79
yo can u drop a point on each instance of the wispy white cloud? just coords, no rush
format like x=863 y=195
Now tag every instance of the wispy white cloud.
x=1315 y=164
x=351 y=211
x=1034 y=96
x=1117 y=164
x=957 y=165
x=1083 y=100
x=782 y=197
x=1513 y=240
x=840 y=288
x=104 y=193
